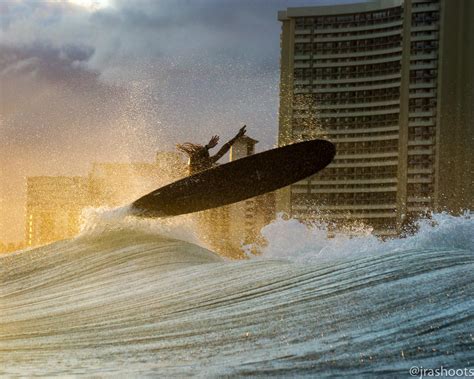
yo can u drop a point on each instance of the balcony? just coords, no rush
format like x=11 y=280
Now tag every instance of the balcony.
x=429 y=37
x=302 y=65
x=424 y=57
x=414 y=199
x=361 y=79
x=422 y=114
x=359 y=105
x=353 y=181
x=424 y=142
x=365 y=164
x=299 y=31
x=420 y=170
x=359 y=54
x=357 y=207
x=354 y=190
x=421 y=95
x=420 y=7
x=302 y=56
x=361 y=28
x=302 y=40
x=367 y=156
x=388 y=33
x=367 y=138
x=358 y=113
x=419 y=180
x=345 y=62
x=431 y=84
x=424 y=28
x=353 y=88
x=429 y=151
x=424 y=66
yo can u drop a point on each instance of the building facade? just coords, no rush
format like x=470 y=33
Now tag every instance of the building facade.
x=53 y=208
x=114 y=184
x=391 y=83
x=54 y=204
x=226 y=229
x=248 y=217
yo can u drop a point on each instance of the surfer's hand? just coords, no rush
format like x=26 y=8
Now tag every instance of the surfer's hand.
x=213 y=142
x=241 y=131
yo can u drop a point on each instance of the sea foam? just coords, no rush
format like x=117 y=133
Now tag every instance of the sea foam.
x=292 y=240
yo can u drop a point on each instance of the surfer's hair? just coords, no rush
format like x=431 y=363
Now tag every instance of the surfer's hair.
x=189 y=148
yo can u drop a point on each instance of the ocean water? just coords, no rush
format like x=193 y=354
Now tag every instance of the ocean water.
x=134 y=298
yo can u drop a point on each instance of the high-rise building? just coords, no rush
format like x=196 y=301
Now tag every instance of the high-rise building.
x=391 y=83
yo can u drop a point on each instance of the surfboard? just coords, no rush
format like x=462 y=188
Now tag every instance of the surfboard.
x=237 y=180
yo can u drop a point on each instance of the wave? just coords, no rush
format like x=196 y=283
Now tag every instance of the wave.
x=298 y=242
x=139 y=298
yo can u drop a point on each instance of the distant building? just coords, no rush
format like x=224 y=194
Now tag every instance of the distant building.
x=391 y=83
x=11 y=247
x=171 y=165
x=248 y=217
x=55 y=203
x=228 y=228
x=53 y=207
x=115 y=184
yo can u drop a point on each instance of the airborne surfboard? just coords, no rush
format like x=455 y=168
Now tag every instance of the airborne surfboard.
x=237 y=180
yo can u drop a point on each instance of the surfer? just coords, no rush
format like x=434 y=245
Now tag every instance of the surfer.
x=199 y=157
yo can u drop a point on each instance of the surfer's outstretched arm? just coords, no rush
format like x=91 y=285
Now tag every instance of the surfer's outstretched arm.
x=225 y=148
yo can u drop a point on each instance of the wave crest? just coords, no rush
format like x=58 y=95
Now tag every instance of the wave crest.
x=297 y=242
x=99 y=221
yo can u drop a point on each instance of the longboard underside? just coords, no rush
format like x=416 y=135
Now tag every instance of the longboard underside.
x=238 y=180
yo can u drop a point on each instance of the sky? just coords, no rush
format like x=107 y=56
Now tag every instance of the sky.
x=83 y=81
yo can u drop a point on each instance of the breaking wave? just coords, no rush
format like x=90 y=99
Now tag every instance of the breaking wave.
x=141 y=298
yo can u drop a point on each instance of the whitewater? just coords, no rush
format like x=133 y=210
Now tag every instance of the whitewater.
x=137 y=298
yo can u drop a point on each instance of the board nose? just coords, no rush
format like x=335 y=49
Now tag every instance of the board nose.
x=321 y=151
x=331 y=150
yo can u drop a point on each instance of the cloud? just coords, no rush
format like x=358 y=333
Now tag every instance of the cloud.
x=131 y=38
x=121 y=82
